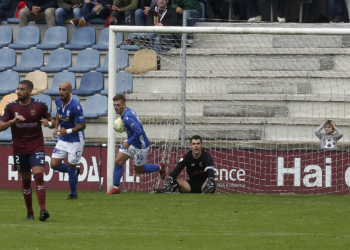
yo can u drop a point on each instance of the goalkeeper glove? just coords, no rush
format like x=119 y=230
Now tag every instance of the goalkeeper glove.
x=210 y=186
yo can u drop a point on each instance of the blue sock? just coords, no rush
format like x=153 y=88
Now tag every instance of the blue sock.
x=117 y=174
x=73 y=180
x=150 y=168
x=61 y=168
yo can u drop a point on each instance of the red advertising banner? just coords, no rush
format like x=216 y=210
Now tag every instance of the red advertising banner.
x=243 y=171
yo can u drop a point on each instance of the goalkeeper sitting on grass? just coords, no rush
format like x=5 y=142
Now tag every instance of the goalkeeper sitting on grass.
x=200 y=169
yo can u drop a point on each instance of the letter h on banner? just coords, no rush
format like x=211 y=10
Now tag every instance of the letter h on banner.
x=281 y=170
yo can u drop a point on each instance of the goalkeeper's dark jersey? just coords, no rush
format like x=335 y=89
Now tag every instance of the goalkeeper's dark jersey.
x=197 y=169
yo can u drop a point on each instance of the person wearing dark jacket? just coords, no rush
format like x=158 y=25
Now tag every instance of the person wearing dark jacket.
x=123 y=10
x=5 y=9
x=191 y=6
x=68 y=9
x=142 y=12
x=38 y=10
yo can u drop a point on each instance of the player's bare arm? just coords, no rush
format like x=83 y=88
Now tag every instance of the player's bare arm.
x=49 y=123
x=56 y=127
x=80 y=127
x=6 y=125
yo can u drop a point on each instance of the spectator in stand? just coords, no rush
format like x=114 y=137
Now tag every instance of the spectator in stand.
x=338 y=11
x=68 y=9
x=255 y=15
x=38 y=10
x=332 y=135
x=347 y=2
x=5 y=9
x=123 y=10
x=191 y=6
x=142 y=12
x=93 y=9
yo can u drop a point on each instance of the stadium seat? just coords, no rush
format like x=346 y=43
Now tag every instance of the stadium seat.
x=144 y=61
x=28 y=36
x=95 y=106
x=91 y=83
x=53 y=113
x=13 y=20
x=6 y=135
x=46 y=99
x=59 y=60
x=104 y=40
x=122 y=62
x=87 y=60
x=130 y=47
x=5 y=100
x=98 y=21
x=5 y=36
x=124 y=84
x=31 y=60
x=40 y=81
x=83 y=38
x=8 y=59
x=58 y=79
x=9 y=81
x=55 y=37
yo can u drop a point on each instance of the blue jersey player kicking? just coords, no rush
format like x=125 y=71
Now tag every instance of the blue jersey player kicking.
x=71 y=136
x=137 y=145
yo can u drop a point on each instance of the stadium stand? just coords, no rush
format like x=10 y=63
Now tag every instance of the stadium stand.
x=87 y=60
x=55 y=37
x=9 y=81
x=95 y=106
x=91 y=83
x=83 y=38
x=144 y=61
x=124 y=84
x=13 y=20
x=46 y=99
x=40 y=81
x=6 y=99
x=6 y=136
x=122 y=62
x=98 y=21
x=130 y=47
x=59 y=60
x=27 y=37
x=6 y=37
x=104 y=39
x=8 y=59
x=58 y=79
x=31 y=60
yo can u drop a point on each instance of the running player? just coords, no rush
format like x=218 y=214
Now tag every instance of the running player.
x=24 y=116
x=71 y=135
x=137 y=145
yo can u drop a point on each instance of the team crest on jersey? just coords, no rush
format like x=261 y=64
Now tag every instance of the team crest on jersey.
x=201 y=164
x=68 y=111
x=32 y=112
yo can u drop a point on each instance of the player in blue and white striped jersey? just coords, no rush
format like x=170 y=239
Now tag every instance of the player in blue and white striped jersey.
x=137 y=145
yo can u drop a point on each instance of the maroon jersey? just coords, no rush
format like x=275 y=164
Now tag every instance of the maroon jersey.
x=27 y=136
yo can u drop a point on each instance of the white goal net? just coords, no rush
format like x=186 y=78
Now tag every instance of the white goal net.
x=255 y=95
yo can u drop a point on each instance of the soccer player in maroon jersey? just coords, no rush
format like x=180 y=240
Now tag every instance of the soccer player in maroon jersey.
x=25 y=117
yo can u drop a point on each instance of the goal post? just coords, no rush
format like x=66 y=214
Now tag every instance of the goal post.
x=255 y=95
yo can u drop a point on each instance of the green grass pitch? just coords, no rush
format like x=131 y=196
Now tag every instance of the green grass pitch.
x=177 y=221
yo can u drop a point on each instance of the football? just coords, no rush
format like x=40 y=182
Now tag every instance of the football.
x=118 y=125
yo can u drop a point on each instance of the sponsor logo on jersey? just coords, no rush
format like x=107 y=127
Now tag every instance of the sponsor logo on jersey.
x=192 y=164
x=32 y=112
x=81 y=117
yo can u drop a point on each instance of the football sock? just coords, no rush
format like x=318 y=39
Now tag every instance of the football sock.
x=150 y=168
x=73 y=180
x=40 y=189
x=63 y=168
x=117 y=174
x=27 y=193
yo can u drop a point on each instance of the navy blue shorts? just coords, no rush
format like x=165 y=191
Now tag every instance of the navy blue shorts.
x=196 y=186
x=24 y=163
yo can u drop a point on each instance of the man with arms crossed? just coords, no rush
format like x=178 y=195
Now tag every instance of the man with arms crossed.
x=136 y=145
x=200 y=169
x=25 y=117
x=71 y=135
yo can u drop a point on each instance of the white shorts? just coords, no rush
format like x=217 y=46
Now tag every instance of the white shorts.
x=73 y=150
x=140 y=155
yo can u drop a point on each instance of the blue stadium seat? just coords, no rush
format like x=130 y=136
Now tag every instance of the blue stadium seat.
x=59 y=60
x=83 y=38
x=6 y=135
x=31 y=60
x=87 y=60
x=58 y=79
x=13 y=20
x=130 y=47
x=98 y=21
x=122 y=62
x=55 y=37
x=9 y=81
x=46 y=99
x=54 y=112
x=5 y=36
x=28 y=36
x=95 y=106
x=8 y=59
x=104 y=40
x=124 y=84
x=91 y=83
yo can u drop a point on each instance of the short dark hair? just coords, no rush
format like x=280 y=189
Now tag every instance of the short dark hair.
x=196 y=137
x=28 y=83
x=119 y=97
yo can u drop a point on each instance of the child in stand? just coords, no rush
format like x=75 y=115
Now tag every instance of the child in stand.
x=332 y=135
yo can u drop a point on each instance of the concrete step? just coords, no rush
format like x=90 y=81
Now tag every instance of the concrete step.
x=245 y=111
x=223 y=134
